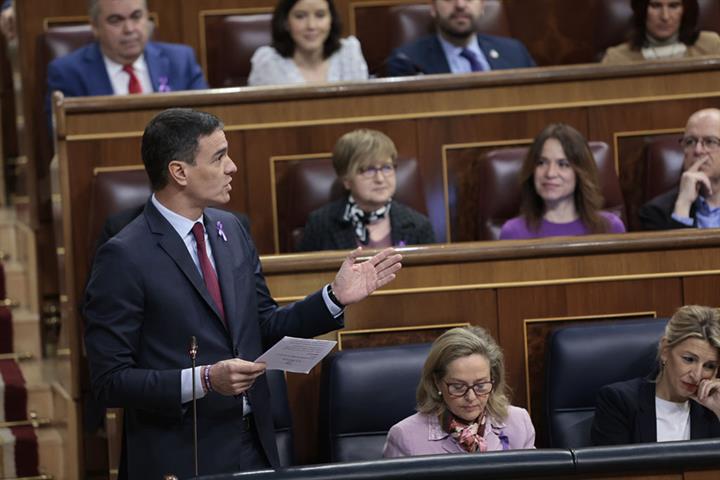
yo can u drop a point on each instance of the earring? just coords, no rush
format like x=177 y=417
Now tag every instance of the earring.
x=439 y=393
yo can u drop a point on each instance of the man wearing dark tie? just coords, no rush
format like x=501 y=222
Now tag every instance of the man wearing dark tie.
x=183 y=269
x=457 y=47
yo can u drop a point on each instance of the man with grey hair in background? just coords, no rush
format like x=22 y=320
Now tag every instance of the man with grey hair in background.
x=122 y=60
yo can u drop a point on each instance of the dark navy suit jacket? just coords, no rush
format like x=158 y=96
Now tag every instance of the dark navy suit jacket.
x=657 y=213
x=625 y=413
x=425 y=55
x=82 y=73
x=144 y=300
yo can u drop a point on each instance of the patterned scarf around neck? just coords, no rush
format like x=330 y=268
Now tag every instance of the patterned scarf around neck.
x=360 y=218
x=469 y=437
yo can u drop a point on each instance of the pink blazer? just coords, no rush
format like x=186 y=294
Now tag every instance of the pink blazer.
x=422 y=434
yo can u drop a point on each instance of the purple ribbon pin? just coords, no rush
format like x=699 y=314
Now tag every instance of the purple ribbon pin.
x=163 y=87
x=220 y=231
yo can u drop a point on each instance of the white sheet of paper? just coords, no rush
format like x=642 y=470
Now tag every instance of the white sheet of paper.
x=297 y=355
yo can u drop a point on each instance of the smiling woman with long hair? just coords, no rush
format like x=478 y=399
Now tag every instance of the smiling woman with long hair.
x=664 y=29
x=560 y=192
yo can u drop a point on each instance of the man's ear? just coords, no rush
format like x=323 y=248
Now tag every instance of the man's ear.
x=177 y=172
x=94 y=30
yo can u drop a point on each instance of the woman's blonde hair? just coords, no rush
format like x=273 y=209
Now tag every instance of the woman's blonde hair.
x=360 y=148
x=454 y=344
x=690 y=321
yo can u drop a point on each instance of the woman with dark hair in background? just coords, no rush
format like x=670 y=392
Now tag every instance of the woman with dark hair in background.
x=307 y=47
x=560 y=192
x=664 y=29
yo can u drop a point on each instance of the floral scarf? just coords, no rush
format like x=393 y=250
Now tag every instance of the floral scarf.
x=468 y=436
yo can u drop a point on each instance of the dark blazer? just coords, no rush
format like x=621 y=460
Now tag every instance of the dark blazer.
x=326 y=229
x=625 y=413
x=144 y=300
x=118 y=221
x=425 y=55
x=657 y=213
x=82 y=73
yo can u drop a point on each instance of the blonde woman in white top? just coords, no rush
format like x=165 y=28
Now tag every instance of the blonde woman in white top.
x=681 y=401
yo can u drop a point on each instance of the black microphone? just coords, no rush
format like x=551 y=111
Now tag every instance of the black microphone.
x=193 y=355
x=416 y=69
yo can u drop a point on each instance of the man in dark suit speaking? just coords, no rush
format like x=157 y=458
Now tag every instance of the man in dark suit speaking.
x=184 y=269
x=457 y=47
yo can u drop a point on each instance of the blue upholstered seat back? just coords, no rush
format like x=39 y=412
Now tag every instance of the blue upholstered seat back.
x=364 y=392
x=582 y=359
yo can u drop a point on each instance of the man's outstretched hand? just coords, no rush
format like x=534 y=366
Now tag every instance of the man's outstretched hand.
x=355 y=281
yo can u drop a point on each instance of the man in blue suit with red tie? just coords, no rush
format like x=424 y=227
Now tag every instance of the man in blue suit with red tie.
x=457 y=47
x=183 y=269
x=122 y=60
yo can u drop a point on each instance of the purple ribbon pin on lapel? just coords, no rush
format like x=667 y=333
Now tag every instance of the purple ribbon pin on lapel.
x=163 y=87
x=220 y=231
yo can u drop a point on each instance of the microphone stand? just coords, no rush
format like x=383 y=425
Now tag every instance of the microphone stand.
x=193 y=355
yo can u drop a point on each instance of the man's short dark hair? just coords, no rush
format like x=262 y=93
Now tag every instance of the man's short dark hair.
x=173 y=135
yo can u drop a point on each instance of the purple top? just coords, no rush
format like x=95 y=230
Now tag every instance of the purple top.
x=517 y=229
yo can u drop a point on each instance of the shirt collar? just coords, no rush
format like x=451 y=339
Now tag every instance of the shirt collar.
x=452 y=49
x=183 y=226
x=703 y=207
x=113 y=68
x=435 y=430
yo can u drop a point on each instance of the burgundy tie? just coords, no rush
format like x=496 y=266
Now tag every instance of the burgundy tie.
x=134 y=83
x=211 y=280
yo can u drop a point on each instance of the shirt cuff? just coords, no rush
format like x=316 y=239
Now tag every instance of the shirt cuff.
x=687 y=221
x=335 y=311
x=186 y=384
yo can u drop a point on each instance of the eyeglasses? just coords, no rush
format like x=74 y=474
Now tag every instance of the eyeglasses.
x=370 y=172
x=709 y=143
x=461 y=389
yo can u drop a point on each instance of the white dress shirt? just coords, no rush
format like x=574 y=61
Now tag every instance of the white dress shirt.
x=121 y=79
x=183 y=226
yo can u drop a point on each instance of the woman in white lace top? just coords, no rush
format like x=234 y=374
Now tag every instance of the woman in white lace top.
x=307 y=47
